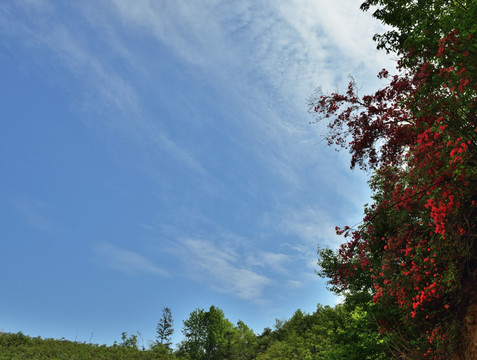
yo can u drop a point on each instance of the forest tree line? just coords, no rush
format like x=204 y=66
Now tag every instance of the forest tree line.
x=346 y=331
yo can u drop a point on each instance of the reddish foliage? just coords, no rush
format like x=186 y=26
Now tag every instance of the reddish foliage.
x=415 y=251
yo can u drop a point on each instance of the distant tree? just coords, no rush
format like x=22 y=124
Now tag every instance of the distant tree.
x=194 y=330
x=207 y=335
x=128 y=342
x=264 y=339
x=241 y=343
x=345 y=332
x=165 y=328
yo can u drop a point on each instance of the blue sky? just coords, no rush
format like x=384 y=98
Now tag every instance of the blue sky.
x=159 y=153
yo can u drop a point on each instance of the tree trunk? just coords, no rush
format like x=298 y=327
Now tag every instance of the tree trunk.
x=470 y=333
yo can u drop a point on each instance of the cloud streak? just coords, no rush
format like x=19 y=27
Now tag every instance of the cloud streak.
x=220 y=268
x=36 y=215
x=263 y=59
x=289 y=46
x=127 y=261
x=104 y=91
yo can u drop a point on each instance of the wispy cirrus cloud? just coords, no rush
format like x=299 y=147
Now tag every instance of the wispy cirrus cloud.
x=274 y=262
x=102 y=89
x=291 y=46
x=127 y=261
x=266 y=57
x=42 y=29
x=36 y=214
x=220 y=268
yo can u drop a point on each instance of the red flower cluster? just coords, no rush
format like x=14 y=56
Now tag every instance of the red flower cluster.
x=419 y=136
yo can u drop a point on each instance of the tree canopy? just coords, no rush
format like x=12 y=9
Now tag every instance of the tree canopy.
x=415 y=251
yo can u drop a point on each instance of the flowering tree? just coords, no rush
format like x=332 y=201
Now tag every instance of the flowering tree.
x=415 y=251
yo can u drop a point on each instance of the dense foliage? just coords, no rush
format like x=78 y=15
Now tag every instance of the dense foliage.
x=347 y=331
x=415 y=251
x=22 y=347
x=344 y=332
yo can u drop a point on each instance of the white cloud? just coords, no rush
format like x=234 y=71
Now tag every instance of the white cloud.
x=220 y=268
x=288 y=47
x=127 y=261
x=102 y=90
x=267 y=57
x=36 y=214
x=295 y=284
x=271 y=261
x=307 y=226
x=188 y=28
